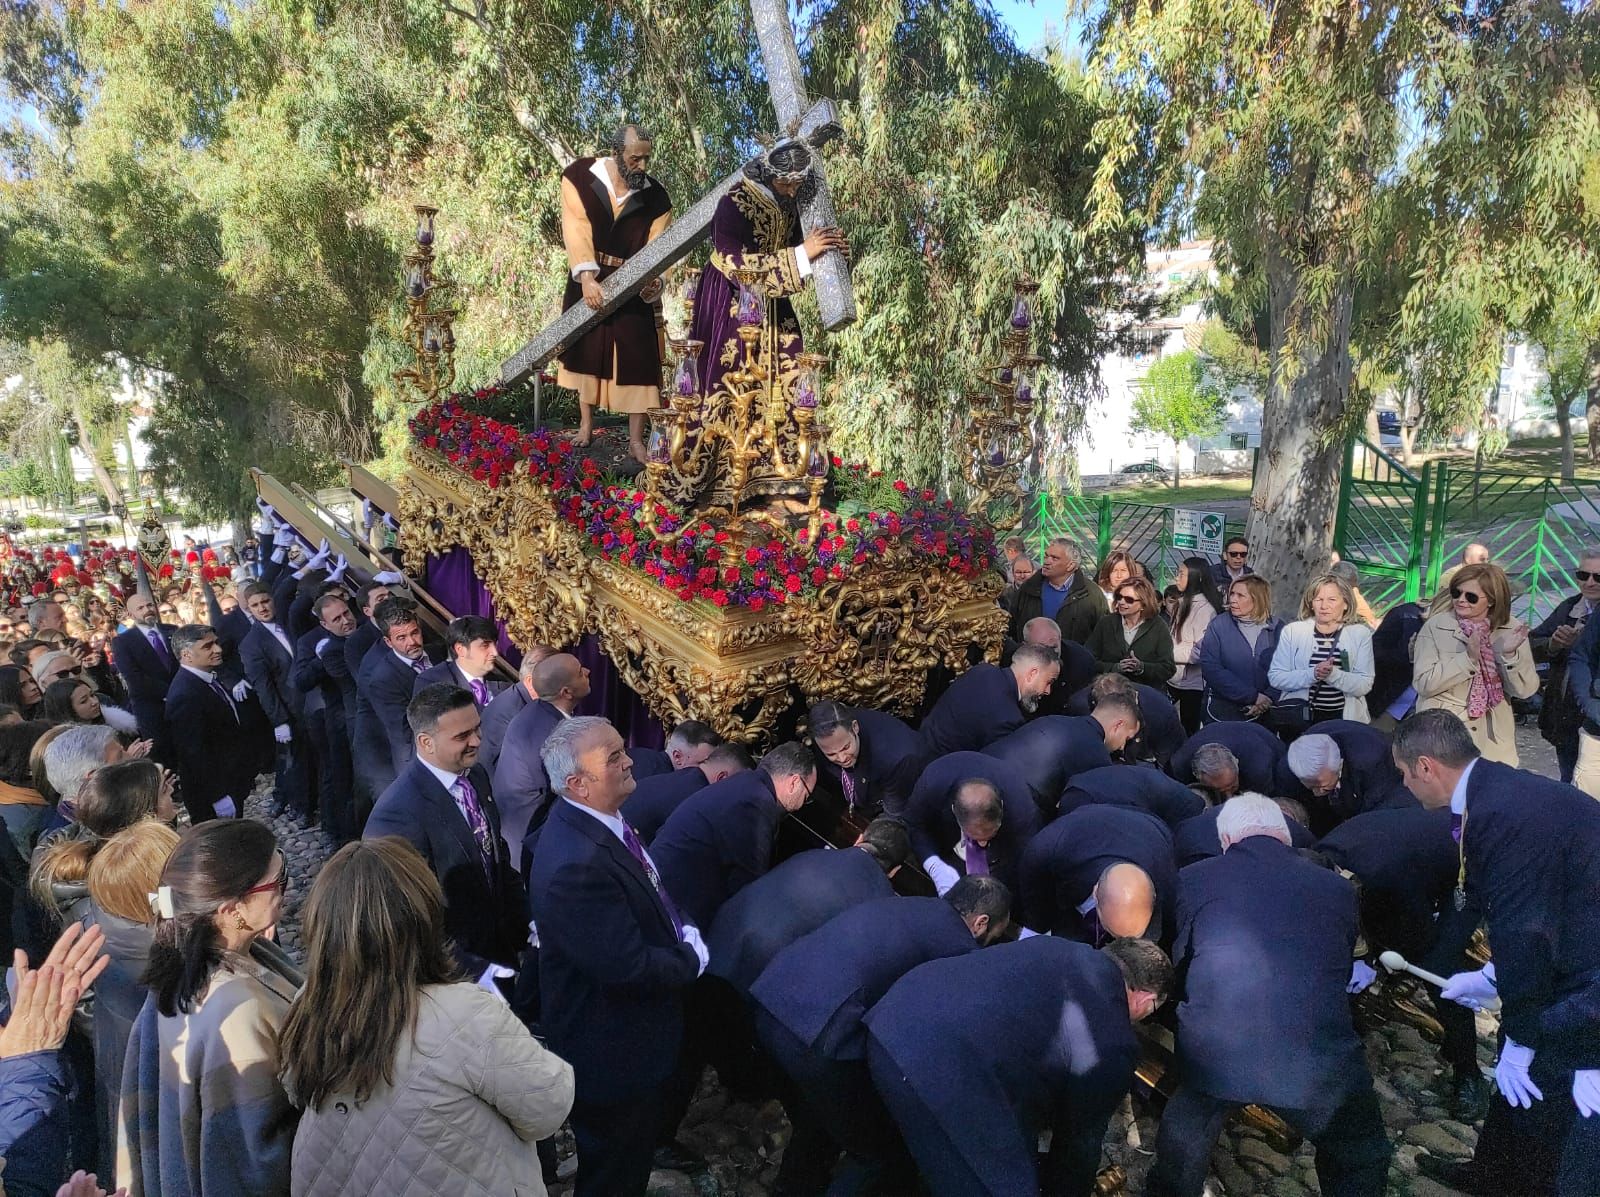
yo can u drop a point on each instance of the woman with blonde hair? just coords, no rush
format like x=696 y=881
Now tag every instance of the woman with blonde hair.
x=1472 y=658
x=1236 y=654
x=411 y=1076
x=1322 y=667
x=122 y=876
x=1132 y=638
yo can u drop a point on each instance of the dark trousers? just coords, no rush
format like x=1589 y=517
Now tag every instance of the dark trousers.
x=945 y=1170
x=1547 y=1151
x=292 y=765
x=1567 y=755
x=615 y=1146
x=1353 y=1149
x=1448 y=955
x=335 y=778
x=1191 y=706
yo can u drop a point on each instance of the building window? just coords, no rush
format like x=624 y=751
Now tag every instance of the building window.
x=1238 y=440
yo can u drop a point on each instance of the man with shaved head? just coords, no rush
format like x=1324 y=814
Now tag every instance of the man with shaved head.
x=520 y=785
x=510 y=703
x=1100 y=873
x=1264 y=947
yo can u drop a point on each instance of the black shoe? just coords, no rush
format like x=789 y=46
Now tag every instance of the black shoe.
x=1469 y=1097
x=676 y=1157
x=1461 y=1175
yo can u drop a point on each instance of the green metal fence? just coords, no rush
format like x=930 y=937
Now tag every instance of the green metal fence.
x=1102 y=524
x=1381 y=526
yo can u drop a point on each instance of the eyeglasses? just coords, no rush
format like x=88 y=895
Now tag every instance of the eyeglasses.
x=1127 y=598
x=1471 y=596
x=1582 y=575
x=811 y=787
x=279 y=883
x=1238 y=552
x=75 y=671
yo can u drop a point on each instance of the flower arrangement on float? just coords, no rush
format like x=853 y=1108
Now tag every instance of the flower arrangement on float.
x=700 y=562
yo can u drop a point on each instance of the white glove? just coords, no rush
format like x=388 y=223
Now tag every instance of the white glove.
x=1511 y=1075
x=487 y=981
x=366 y=513
x=282 y=734
x=1026 y=933
x=1471 y=989
x=1586 y=1090
x=265 y=508
x=336 y=574
x=691 y=936
x=317 y=559
x=239 y=691
x=284 y=536
x=225 y=808
x=941 y=874
x=1361 y=975
x=390 y=522
x=390 y=577
x=322 y=644
x=278 y=554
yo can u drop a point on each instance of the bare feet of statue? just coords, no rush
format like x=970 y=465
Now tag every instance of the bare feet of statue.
x=585 y=435
x=638 y=451
x=636 y=436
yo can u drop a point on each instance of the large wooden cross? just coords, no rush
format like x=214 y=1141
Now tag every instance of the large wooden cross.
x=830 y=273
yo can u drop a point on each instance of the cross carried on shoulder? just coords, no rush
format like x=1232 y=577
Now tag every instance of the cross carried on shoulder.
x=830 y=273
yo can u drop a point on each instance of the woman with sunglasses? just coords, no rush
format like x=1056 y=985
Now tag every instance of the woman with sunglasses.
x=202 y=1054
x=1133 y=639
x=1472 y=658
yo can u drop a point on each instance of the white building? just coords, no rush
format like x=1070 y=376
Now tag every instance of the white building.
x=1109 y=443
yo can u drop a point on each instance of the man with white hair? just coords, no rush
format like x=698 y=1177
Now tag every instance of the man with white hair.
x=1059 y=591
x=76 y=753
x=1264 y=946
x=1347 y=769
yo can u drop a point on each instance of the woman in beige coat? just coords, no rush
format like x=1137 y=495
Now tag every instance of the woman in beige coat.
x=412 y=1080
x=1472 y=658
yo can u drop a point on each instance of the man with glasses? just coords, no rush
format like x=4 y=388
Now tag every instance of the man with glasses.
x=1561 y=715
x=1234 y=564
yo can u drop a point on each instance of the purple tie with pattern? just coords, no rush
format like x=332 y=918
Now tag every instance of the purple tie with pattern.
x=1455 y=827
x=472 y=811
x=977 y=857
x=849 y=788
x=480 y=692
x=635 y=849
x=222 y=693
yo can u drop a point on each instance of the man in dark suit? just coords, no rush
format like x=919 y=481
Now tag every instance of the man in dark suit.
x=720 y=839
x=615 y=958
x=870 y=759
x=441 y=803
x=383 y=691
x=1530 y=851
x=1101 y=873
x=655 y=798
x=1161 y=731
x=810 y=1002
x=319 y=672
x=1059 y=591
x=1407 y=865
x=1078 y=666
x=508 y=704
x=472 y=642
x=144 y=657
x=1258 y=760
x=1196 y=837
x=688 y=743
x=987 y=702
x=1053 y=749
x=971 y=1102
x=1346 y=769
x=267 y=654
x=360 y=641
x=1139 y=787
x=211 y=750
x=971 y=814
x=1391 y=655
x=519 y=780
x=1264 y=956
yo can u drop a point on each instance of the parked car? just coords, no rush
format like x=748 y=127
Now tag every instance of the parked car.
x=1389 y=423
x=1145 y=469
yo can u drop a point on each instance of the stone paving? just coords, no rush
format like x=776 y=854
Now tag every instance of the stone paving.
x=743 y=1143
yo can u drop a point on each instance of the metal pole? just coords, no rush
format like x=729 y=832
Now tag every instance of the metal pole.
x=538 y=397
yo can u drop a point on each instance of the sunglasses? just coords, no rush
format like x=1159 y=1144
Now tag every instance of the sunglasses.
x=1471 y=596
x=75 y=671
x=279 y=883
x=1238 y=552
x=1582 y=575
x=1127 y=598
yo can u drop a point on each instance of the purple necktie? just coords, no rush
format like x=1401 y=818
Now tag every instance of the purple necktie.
x=1455 y=827
x=159 y=643
x=419 y=664
x=977 y=857
x=471 y=810
x=480 y=692
x=636 y=850
x=849 y=788
x=222 y=693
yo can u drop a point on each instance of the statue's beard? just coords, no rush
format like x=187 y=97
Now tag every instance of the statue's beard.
x=635 y=179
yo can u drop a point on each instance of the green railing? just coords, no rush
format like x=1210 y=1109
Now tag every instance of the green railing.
x=1102 y=524
x=1381 y=525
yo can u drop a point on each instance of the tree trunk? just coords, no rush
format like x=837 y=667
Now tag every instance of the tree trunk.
x=1563 y=406
x=1296 y=495
x=1408 y=445
x=1177 y=461
x=108 y=484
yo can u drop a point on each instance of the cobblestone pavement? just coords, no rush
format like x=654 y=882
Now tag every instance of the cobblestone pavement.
x=743 y=1143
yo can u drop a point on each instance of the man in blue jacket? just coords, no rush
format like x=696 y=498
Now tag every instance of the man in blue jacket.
x=971 y=814
x=1264 y=954
x=1052 y=749
x=1145 y=789
x=383 y=691
x=869 y=758
x=986 y=702
x=1258 y=758
x=615 y=958
x=1529 y=852
x=1346 y=769
x=525 y=793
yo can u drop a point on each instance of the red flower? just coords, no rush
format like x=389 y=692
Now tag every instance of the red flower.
x=721 y=538
x=757 y=602
x=752 y=555
x=818 y=576
x=719 y=598
x=900 y=485
x=853 y=525
x=793 y=583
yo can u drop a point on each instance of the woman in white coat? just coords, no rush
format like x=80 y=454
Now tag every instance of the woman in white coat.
x=1322 y=667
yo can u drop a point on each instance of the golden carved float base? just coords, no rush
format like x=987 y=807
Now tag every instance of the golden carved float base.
x=867 y=640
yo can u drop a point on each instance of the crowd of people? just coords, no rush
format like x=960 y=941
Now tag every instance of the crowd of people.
x=934 y=944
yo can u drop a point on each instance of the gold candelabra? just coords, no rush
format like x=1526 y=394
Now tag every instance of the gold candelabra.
x=428 y=329
x=1001 y=439
x=742 y=423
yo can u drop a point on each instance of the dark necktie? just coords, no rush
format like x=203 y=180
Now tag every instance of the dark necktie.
x=1092 y=927
x=223 y=694
x=419 y=665
x=636 y=850
x=849 y=788
x=1455 y=827
x=977 y=859
x=158 y=642
x=472 y=810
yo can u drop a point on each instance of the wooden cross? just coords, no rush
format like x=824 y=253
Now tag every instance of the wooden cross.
x=830 y=273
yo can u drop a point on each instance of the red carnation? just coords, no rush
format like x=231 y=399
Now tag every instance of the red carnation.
x=719 y=598
x=900 y=485
x=793 y=583
x=752 y=555
x=757 y=602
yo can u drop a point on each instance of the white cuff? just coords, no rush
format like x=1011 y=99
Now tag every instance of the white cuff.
x=583 y=268
x=802 y=262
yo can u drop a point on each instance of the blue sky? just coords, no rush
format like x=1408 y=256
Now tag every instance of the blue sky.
x=1032 y=21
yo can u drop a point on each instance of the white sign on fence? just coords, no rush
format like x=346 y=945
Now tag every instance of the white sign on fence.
x=1197 y=531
